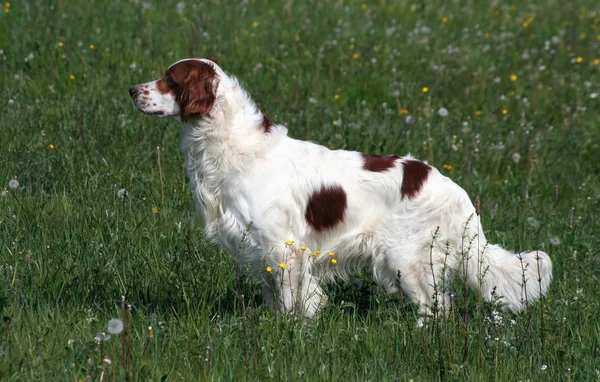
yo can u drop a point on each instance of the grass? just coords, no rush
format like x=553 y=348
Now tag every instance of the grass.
x=520 y=83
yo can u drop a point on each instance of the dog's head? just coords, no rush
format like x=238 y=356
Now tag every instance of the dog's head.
x=187 y=90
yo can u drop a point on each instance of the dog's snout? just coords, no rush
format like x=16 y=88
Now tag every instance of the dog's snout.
x=132 y=91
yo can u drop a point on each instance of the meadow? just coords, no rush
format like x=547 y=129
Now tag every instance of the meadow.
x=97 y=220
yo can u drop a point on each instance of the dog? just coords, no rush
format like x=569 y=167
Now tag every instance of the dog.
x=297 y=214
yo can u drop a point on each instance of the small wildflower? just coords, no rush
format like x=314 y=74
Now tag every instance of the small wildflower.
x=255 y=24
x=282 y=265
x=444 y=20
x=579 y=60
x=150 y=332
x=303 y=248
x=516 y=157
x=107 y=361
x=333 y=261
x=13 y=183
x=289 y=243
x=269 y=269
x=363 y=6
x=448 y=167
x=337 y=96
x=403 y=111
x=331 y=254
x=596 y=61
x=60 y=44
x=504 y=111
x=297 y=38
x=443 y=112
x=425 y=89
x=513 y=77
x=51 y=146
x=544 y=367
x=351 y=46
x=71 y=77
x=355 y=55
x=478 y=113
x=92 y=47
x=554 y=240
x=115 y=326
x=409 y=119
x=155 y=209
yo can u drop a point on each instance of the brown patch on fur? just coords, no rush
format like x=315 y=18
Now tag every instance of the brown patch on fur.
x=192 y=83
x=326 y=207
x=266 y=124
x=378 y=163
x=415 y=174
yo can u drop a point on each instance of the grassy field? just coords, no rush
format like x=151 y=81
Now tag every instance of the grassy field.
x=520 y=84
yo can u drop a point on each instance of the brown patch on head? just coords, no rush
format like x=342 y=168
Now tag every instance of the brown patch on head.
x=192 y=83
x=326 y=207
x=266 y=124
x=378 y=163
x=415 y=174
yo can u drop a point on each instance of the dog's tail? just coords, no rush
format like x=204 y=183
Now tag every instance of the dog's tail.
x=516 y=279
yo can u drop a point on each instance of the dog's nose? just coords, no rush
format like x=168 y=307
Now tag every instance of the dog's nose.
x=132 y=91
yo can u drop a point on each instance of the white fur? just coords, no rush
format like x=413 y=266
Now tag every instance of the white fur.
x=251 y=190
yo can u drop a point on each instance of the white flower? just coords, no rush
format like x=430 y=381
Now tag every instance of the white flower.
x=11 y=101
x=516 y=157
x=554 y=240
x=115 y=326
x=409 y=119
x=592 y=96
x=312 y=100
x=443 y=112
x=544 y=367
x=533 y=222
x=13 y=183
x=122 y=193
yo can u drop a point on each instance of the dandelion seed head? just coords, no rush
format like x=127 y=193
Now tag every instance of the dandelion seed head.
x=122 y=193
x=443 y=112
x=115 y=326
x=13 y=183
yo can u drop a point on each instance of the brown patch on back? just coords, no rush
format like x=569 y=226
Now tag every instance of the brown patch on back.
x=192 y=83
x=326 y=207
x=266 y=124
x=378 y=163
x=415 y=174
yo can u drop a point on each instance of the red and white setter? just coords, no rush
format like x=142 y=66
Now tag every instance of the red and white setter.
x=297 y=214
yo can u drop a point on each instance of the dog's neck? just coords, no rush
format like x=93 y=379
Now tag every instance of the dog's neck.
x=231 y=139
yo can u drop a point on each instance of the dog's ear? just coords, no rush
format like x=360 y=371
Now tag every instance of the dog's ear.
x=198 y=95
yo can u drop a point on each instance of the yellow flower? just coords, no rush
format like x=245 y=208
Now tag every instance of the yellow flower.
x=351 y=46
x=513 y=77
x=486 y=35
x=364 y=6
x=297 y=38
x=255 y=24
x=337 y=96
x=246 y=33
x=403 y=111
x=51 y=146
x=155 y=210
x=315 y=253
x=504 y=111
x=478 y=113
x=289 y=243
x=579 y=60
x=303 y=248
x=598 y=37
x=334 y=123
x=269 y=268
x=355 y=56
x=333 y=261
x=283 y=265
x=448 y=167
x=597 y=61
x=72 y=77
x=331 y=254
x=92 y=47
x=582 y=35
x=444 y=20
x=7 y=4
x=425 y=89
x=60 y=44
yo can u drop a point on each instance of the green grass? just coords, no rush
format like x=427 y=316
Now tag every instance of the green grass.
x=70 y=248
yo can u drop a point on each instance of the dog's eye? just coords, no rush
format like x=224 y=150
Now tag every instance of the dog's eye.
x=171 y=82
